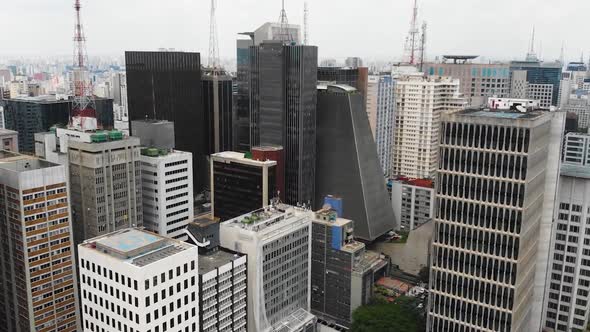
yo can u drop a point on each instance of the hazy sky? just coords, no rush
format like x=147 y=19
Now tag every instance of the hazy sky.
x=497 y=29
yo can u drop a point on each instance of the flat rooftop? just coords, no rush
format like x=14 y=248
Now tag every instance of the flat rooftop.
x=22 y=163
x=576 y=171
x=266 y=218
x=241 y=158
x=40 y=99
x=137 y=247
x=8 y=132
x=294 y=322
x=216 y=259
x=501 y=114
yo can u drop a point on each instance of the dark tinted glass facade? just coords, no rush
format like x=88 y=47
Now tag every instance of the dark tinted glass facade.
x=538 y=73
x=242 y=100
x=218 y=109
x=167 y=86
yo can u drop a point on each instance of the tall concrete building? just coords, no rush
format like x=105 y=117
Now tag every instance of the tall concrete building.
x=381 y=110
x=38 y=271
x=168 y=86
x=283 y=96
x=496 y=188
x=218 y=110
x=420 y=103
x=105 y=181
x=413 y=202
x=167 y=191
x=347 y=164
x=476 y=80
x=277 y=242
x=134 y=280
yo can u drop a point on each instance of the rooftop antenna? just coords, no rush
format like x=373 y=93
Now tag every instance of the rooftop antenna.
x=531 y=56
x=411 y=47
x=561 y=54
x=305 y=23
x=284 y=33
x=423 y=47
x=213 y=61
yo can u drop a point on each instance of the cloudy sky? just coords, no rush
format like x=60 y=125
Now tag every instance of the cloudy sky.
x=496 y=29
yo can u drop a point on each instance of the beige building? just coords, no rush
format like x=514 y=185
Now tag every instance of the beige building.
x=420 y=102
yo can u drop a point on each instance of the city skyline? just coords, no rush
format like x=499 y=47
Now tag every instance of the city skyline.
x=113 y=27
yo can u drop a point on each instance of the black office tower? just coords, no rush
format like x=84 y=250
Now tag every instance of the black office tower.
x=218 y=110
x=347 y=162
x=242 y=97
x=283 y=101
x=167 y=86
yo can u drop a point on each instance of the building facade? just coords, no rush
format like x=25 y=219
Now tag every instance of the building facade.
x=413 y=202
x=167 y=191
x=218 y=110
x=381 y=110
x=38 y=269
x=420 y=103
x=576 y=149
x=539 y=73
x=137 y=281
x=496 y=188
x=9 y=140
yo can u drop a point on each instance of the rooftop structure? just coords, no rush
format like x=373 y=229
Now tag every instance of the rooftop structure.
x=9 y=140
x=459 y=58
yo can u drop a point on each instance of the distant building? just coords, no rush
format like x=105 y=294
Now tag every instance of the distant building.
x=381 y=111
x=353 y=62
x=272 y=31
x=222 y=280
x=577 y=149
x=9 y=139
x=539 y=76
x=347 y=164
x=154 y=133
x=167 y=86
x=218 y=110
x=420 y=103
x=134 y=280
x=167 y=191
x=580 y=107
x=519 y=87
x=342 y=271
x=413 y=202
x=240 y=185
x=38 y=271
x=277 y=242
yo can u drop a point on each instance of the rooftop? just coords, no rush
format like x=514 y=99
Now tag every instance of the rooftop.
x=41 y=99
x=241 y=158
x=369 y=260
x=426 y=183
x=16 y=162
x=7 y=132
x=266 y=218
x=136 y=246
x=294 y=322
x=216 y=259
x=502 y=114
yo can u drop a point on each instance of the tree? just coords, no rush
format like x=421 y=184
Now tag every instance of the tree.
x=424 y=274
x=400 y=316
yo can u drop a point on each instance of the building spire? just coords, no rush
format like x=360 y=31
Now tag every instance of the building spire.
x=213 y=61
x=561 y=54
x=284 y=33
x=531 y=56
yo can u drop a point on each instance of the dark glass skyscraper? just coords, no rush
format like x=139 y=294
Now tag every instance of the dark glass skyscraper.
x=242 y=97
x=218 y=111
x=283 y=96
x=167 y=86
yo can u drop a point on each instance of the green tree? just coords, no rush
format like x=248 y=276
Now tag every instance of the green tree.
x=400 y=316
x=424 y=274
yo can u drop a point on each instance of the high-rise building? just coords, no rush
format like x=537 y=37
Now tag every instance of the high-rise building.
x=357 y=77
x=9 y=140
x=167 y=86
x=105 y=181
x=476 y=80
x=167 y=191
x=576 y=149
x=274 y=31
x=218 y=110
x=380 y=110
x=222 y=280
x=275 y=153
x=240 y=185
x=412 y=201
x=39 y=288
x=134 y=280
x=342 y=271
x=420 y=102
x=519 y=85
x=496 y=188
x=347 y=164
x=242 y=98
x=567 y=297
x=580 y=107
x=283 y=96
x=277 y=242
x=541 y=75
x=353 y=62
x=154 y=133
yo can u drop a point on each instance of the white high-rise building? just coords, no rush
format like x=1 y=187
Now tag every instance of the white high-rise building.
x=420 y=102
x=380 y=109
x=277 y=241
x=137 y=281
x=167 y=189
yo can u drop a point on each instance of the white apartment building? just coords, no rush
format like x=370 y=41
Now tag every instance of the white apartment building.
x=576 y=149
x=167 y=191
x=136 y=281
x=277 y=241
x=541 y=92
x=412 y=202
x=420 y=102
x=380 y=110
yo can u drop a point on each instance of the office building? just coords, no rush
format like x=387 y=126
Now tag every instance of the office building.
x=347 y=164
x=580 y=107
x=218 y=110
x=9 y=139
x=154 y=133
x=133 y=280
x=380 y=110
x=242 y=97
x=167 y=191
x=496 y=189
x=39 y=288
x=567 y=297
x=283 y=99
x=539 y=76
x=105 y=181
x=519 y=85
x=273 y=31
x=353 y=62
x=412 y=201
x=222 y=280
x=356 y=77
x=576 y=149
x=477 y=81
x=277 y=242
x=420 y=102
x=275 y=153
x=167 y=86
x=342 y=271
x=240 y=185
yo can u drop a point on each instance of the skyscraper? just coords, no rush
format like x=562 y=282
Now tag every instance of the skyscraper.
x=496 y=188
x=218 y=110
x=242 y=98
x=543 y=80
x=420 y=102
x=283 y=95
x=38 y=273
x=167 y=86
x=347 y=164
x=381 y=110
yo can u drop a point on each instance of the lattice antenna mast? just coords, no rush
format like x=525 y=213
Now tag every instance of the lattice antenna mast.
x=423 y=46
x=411 y=48
x=531 y=56
x=305 y=24
x=284 y=33
x=213 y=45
x=83 y=115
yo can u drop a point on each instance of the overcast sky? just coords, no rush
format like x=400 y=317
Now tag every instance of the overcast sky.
x=496 y=29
